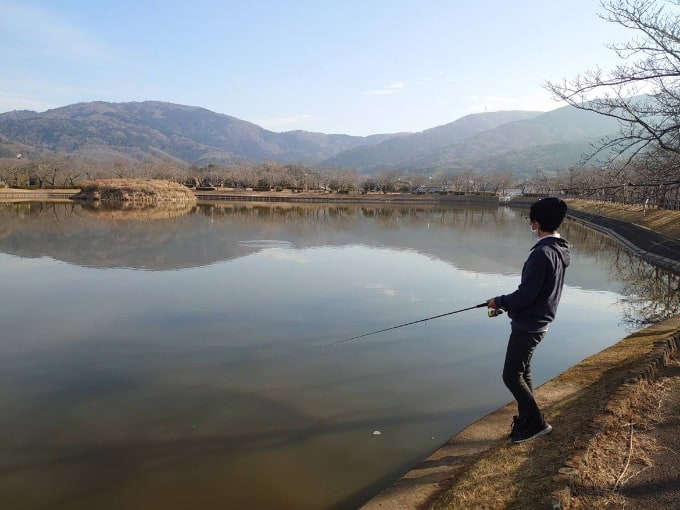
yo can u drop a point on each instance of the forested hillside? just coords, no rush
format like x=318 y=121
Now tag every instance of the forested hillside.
x=519 y=141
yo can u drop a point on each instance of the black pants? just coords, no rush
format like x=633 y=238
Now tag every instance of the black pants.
x=517 y=373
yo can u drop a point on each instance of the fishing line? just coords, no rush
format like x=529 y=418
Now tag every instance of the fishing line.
x=407 y=324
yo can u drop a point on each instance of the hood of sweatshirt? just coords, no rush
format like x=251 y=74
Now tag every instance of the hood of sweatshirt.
x=561 y=246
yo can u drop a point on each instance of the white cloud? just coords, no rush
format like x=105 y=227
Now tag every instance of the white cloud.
x=389 y=89
x=384 y=289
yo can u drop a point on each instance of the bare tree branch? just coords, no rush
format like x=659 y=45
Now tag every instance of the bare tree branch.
x=643 y=95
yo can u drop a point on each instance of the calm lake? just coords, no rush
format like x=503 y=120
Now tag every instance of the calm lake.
x=193 y=361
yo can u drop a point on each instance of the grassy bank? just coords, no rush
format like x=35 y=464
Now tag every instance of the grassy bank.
x=521 y=477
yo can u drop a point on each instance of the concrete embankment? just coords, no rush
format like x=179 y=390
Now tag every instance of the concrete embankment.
x=19 y=195
x=643 y=242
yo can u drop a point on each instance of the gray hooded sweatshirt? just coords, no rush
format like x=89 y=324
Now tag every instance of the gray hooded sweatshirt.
x=532 y=307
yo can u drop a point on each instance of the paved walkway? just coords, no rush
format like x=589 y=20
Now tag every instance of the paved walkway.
x=650 y=245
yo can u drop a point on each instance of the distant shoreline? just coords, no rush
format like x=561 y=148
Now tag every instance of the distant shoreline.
x=337 y=198
x=10 y=194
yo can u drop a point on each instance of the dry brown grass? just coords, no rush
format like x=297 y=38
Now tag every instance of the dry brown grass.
x=660 y=220
x=621 y=450
x=135 y=191
x=520 y=477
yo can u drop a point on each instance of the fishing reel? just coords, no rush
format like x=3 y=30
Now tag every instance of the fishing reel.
x=495 y=312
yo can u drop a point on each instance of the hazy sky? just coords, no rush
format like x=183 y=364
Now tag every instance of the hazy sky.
x=355 y=66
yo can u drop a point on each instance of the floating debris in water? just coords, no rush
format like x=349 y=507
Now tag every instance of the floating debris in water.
x=377 y=433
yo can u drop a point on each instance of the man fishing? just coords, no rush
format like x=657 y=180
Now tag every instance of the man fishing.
x=532 y=308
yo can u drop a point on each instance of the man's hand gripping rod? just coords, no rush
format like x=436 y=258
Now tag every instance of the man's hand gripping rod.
x=496 y=312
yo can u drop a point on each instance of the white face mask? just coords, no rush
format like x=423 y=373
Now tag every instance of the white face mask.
x=534 y=231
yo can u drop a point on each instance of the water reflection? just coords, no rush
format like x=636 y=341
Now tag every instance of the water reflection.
x=135 y=211
x=212 y=233
x=649 y=294
x=204 y=381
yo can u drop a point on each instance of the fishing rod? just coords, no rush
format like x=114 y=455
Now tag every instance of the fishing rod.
x=492 y=313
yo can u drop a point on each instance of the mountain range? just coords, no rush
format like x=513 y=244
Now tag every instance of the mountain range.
x=517 y=141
